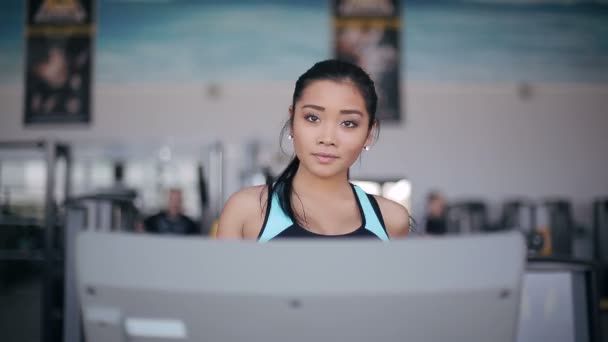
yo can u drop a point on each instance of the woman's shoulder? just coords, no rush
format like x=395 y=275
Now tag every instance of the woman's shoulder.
x=249 y=199
x=243 y=212
x=251 y=192
x=396 y=217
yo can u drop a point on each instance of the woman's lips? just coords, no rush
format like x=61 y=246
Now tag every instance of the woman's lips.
x=325 y=158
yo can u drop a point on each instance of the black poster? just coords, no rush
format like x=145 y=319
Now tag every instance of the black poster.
x=59 y=52
x=367 y=33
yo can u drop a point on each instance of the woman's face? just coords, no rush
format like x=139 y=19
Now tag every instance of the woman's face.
x=330 y=127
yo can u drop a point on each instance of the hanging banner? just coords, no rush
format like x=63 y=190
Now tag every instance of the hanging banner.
x=58 y=63
x=367 y=33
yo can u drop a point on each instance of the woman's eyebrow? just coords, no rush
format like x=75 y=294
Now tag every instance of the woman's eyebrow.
x=343 y=111
x=351 y=111
x=319 y=108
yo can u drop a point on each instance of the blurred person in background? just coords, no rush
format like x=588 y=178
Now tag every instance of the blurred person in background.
x=435 y=221
x=172 y=220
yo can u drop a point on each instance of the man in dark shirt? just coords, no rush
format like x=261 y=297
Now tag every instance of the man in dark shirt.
x=436 y=214
x=172 y=220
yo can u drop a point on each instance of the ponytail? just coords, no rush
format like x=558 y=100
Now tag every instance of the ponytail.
x=283 y=188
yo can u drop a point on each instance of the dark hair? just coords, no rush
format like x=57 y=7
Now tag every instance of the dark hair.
x=333 y=70
x=433 y=196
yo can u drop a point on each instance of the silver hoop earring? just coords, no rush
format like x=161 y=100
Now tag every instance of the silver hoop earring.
x=366 y=147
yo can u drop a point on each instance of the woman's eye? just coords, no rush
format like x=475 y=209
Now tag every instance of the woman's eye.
x=349 y=124
x=311 y=118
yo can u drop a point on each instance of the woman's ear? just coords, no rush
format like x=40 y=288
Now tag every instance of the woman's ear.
x=290 y=122
x=370 y=135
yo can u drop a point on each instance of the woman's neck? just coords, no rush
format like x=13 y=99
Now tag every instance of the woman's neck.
x=306 y=182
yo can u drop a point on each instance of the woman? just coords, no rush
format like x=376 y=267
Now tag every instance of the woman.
x=332 y=119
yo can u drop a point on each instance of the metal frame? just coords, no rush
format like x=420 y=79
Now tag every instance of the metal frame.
x=591 y=272
x=72 y=328
x=52 y=151
x=215 y=181
x=599 y=216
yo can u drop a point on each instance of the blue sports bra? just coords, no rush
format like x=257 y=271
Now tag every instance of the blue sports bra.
x=278 y=225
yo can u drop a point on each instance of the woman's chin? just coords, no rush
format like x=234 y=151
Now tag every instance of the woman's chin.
x=326 y=171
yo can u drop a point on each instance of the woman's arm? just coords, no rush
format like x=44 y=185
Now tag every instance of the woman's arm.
x=231 y=221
